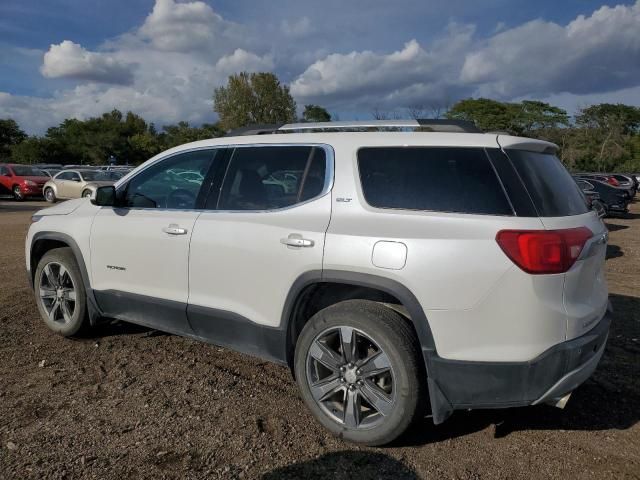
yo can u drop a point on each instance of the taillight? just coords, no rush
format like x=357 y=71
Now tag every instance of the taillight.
x=613 y=181
x=544 y=251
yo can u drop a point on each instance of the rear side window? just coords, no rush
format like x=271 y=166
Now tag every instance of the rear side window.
x=551 y=188
x=459 y=180
x=267 y=178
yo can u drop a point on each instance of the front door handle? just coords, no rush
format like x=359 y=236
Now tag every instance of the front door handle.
x=174 y=229
x=296 y=240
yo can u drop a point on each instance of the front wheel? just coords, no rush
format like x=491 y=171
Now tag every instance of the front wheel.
x=86 y=194
x=60 y=292
x=357 y=364
x=17 y=193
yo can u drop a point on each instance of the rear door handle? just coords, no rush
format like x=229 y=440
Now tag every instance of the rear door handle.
x=174 y=229
x=296 y=240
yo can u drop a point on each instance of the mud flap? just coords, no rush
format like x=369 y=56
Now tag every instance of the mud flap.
x=441 y=408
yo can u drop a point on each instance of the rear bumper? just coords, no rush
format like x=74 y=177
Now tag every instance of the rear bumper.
x=455 y=385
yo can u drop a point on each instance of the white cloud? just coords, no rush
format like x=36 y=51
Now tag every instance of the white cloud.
x=183 y=27
x=241 y=60
x=410 y=76
x=591 y=54
x=70 y=60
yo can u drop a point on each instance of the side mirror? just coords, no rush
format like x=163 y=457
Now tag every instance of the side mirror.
x=105 y=196
x=8 y=174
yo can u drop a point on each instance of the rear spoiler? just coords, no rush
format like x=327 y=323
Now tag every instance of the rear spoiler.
x=529 y=144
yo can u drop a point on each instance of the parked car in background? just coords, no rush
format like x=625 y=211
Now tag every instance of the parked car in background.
x=21 y=181
x=627 y=181
x=592 y=197
x=77 y=183
x=614 y=199
x=615 y=180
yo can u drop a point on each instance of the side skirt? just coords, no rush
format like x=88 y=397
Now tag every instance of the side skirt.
x=209 y=325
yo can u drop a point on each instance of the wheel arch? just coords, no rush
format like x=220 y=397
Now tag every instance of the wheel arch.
x=344 y=285
x=42 y=242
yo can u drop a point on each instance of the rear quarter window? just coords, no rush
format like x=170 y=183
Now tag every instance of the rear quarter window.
x=443 y=179
x=552 y=189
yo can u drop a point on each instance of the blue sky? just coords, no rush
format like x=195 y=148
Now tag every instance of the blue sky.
x=163 y=58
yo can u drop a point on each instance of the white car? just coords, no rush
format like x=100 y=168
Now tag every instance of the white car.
x=407 y=269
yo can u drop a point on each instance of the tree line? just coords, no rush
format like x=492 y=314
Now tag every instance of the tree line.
x=602 y=137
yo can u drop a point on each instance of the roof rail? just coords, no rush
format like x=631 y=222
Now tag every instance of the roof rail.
x=255 y=129
x=425 y=124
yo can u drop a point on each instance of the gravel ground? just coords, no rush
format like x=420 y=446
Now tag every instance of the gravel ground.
x=129 y=402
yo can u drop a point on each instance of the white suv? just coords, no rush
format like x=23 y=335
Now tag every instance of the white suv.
x=389 y=269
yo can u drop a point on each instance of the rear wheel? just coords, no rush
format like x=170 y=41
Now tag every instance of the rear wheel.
x=60 y=292
x=17 y=193
x=49 y=196
x=357 y=364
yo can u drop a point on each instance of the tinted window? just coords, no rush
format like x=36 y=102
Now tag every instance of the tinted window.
x=265 y=178
x=161 y=186
x=424 y=178
x=3 y=170
x=551 y=187
x=26 y=171
x=95 y=176
x=67 y=176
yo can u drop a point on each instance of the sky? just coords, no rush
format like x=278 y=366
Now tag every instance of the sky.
x=163 y=58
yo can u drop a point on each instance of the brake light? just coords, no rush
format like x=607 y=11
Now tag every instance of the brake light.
x=613 y=181
x=544 y=251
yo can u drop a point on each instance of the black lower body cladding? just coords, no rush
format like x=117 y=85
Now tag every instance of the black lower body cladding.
x=455 y=384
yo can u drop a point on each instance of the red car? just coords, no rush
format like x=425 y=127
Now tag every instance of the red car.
x=21 y=181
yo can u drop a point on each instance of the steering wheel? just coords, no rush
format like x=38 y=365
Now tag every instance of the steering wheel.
x=181 y=198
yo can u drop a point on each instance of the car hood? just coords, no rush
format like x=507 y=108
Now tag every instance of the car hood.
x=63 y=208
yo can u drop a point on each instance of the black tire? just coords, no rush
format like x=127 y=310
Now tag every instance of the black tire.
x=396 y=339
x=17 y=193
x=78 y=320
x=86 y=193
x=49 y=195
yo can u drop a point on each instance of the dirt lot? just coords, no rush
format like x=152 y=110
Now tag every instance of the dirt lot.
x=134 y=403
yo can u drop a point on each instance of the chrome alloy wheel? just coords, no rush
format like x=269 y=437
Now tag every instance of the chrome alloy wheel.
x=350 y=377
x=57 y=293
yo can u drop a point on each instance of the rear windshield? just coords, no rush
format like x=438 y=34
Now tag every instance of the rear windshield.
x=459 y=180
x=552 y=189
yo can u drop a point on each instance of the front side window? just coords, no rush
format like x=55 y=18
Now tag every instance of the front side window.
x=267 y=178
x=163 y=186
x=442 y=179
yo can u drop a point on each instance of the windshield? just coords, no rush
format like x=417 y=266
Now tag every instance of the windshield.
x=95 y=176
x=27 y=171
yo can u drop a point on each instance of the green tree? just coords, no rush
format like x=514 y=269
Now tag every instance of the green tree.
x=488 y=115
x=523 y=118
x=624 y=118
x=533 y=115
x=182 y=132
x=30 y=150
x=10 y=134
x=315 y=113
x=250 y=98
